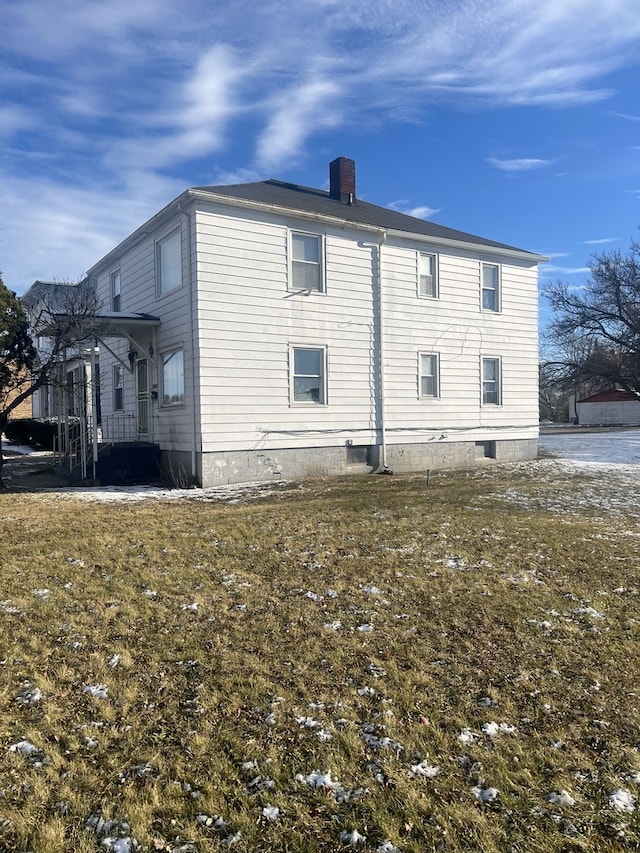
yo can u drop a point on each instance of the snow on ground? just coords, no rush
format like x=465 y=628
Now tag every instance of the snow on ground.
x=618 y=447
x=613 y=454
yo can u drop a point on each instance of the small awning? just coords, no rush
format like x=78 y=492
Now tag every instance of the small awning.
x=117 y=324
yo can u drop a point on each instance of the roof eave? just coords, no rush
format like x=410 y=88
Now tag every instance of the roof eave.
x=145 y=230
x=519 y=254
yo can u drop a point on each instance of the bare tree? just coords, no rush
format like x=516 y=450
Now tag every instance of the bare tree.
x=596 y=330
x=64 y=316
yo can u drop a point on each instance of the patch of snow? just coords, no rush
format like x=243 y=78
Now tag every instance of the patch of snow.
x=96 y=691
x=270 y=812
x=494 y=729
x=29 y=695
x=24 y=747
x=622 y=800
x=424 y=769
x=485 y=795
x=467 y=736
x=563 y=798
x=352 y=838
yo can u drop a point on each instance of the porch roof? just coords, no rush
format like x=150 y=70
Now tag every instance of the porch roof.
x=118 y=324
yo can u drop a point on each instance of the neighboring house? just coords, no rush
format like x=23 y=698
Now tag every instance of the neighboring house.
x=65 y=393
x=271 y=330
x=23 y=409
x=609 y=408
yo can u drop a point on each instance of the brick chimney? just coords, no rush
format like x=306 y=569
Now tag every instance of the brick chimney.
x=342 y=179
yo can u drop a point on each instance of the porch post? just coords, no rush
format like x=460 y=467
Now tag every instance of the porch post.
x=94 y=408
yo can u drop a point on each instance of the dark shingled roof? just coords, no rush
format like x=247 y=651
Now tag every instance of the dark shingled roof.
x=309 y=200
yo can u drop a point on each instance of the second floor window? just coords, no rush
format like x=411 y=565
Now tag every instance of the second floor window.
x=427 y=275
x=306 y=262
x=169 y=263
x=115 y=291
x=490 y=287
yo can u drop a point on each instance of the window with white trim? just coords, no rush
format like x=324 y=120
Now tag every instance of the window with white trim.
x=115 y=291
x=306 y=262
x=427 y=275
x=118 y=388
x=490 y=287
x=429 y=366
x=491 y=382
x=169 y=263
x=308 y=375
x=172 y=375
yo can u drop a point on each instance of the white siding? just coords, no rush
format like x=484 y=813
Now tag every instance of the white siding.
x=170 y=426
x=248 y=319
x=455 y=327
x=236 y=320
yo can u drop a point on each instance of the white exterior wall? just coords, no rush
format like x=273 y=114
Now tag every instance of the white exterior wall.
x=616 y=412
x=236 y=320
x=171 y=426
x=248 y=319
x=454 y=327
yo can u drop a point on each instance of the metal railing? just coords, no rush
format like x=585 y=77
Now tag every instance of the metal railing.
x=118 y=427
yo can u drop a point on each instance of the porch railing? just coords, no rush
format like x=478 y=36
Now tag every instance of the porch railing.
x=118 y=427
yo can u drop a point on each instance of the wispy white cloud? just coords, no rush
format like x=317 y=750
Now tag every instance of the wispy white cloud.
x=14 y=119
x=553 y=255
x=58 y=232
x=600 y=240
x=419 y=211
x=547 y=268
x=135 y=88
x=518 y=165
x=297 y=112
x=625 y=116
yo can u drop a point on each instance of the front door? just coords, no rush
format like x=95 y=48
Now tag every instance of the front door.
x=142 y=384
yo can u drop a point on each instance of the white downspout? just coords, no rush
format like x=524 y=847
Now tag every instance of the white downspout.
x=194 y=394
x=383 y=428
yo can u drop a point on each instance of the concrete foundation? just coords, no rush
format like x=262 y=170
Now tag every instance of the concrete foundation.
x=295 y=464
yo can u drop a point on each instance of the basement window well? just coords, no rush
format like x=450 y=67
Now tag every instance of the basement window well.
x=358 y=454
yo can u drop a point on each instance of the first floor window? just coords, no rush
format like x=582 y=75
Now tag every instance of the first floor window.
x=306 y=262
x=427 y=275
x=309 y=375
x=169 y=263
x=118 y=387
x=173 y=378
x=429 y=382
x=491 y=390
x=490 y=287
x=115 y=291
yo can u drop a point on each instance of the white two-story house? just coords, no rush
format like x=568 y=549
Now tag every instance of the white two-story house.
x=269 y=330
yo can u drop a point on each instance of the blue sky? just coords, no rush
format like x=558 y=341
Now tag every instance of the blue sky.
x=513 y=120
